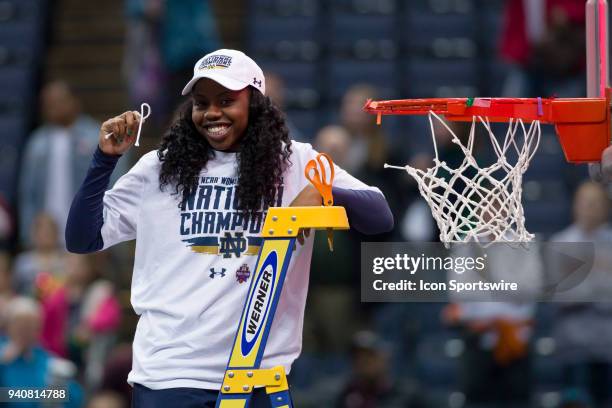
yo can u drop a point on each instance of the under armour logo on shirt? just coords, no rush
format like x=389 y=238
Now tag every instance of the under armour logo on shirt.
x=256 y=82
x=213 y=273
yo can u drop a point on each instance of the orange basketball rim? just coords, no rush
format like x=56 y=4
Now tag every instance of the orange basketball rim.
x=582 y=124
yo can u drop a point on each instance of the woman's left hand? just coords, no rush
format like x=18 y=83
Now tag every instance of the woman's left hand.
x=308 y=197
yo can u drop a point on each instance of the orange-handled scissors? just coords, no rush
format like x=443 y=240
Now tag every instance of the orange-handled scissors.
x=317 y=174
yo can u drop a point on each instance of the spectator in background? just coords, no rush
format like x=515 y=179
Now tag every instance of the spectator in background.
x=275 y=89
x=46 y=256
x=369 y=150
x=335 y=141
x=575 y=399
x=6 y=290
x=106 y=399
x=164 y=37
x=582 y=329
x=496 y=328
x=116 y=369
x=56 y=156
x=544 y=41
x=334 y=275
x=143 y=68
x=495 y=365
x=81 y=318
x=24 y=364
x=371 y=383
x=358 y=144
x=368 y=147
x=6 y=224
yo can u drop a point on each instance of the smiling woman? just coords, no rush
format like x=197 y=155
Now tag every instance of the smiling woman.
x=195 y=207
x=219 y=114
x=224 y=120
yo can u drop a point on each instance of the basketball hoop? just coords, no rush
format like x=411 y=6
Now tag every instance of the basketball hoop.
x=477 y=203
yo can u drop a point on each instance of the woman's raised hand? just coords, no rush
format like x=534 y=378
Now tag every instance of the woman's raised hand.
x=118 y=134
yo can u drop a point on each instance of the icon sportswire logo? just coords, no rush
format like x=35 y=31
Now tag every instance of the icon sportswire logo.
x=259 y=304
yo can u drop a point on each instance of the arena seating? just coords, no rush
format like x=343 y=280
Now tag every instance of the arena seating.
x=22 y=29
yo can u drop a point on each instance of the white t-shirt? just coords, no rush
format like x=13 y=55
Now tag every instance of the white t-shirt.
x=189 y=282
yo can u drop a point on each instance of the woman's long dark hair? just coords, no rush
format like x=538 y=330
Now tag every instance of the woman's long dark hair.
x=263 y=154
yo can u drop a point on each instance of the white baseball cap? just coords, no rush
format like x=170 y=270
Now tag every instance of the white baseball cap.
x=231 y=68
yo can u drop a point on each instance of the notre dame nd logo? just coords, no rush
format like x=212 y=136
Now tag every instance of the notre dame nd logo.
x=232 y=245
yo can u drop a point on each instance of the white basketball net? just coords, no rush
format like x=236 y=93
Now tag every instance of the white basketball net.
x=488 y=208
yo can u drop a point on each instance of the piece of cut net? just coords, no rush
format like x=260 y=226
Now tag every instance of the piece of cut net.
x=480 y=204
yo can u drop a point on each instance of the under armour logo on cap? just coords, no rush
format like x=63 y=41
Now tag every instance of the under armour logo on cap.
x=256 y=82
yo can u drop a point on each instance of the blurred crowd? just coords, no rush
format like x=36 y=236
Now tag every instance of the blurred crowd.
x=65 y=319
